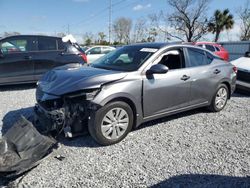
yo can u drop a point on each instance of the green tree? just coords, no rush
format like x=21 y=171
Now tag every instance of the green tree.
x=221 y=20
x=101 y=37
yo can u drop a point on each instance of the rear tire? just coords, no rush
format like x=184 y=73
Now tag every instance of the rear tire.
x=111 y=123
x=220 y=98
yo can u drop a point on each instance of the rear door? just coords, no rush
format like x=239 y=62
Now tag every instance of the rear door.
x=46 y=55
x=204 y=75
x=17 y=65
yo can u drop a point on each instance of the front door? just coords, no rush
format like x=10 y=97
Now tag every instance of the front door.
x=16 y=64
x=167 y=92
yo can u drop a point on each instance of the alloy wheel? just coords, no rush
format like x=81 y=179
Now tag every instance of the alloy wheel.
x=221 y=98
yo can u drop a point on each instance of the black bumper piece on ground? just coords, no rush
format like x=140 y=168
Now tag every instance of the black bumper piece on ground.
x=22 y=148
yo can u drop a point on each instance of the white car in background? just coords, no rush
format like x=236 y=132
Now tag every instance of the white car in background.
x=95 y=52
x=243 y=75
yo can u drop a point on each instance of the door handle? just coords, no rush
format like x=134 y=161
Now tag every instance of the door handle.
x=185 y=77
x=27 y=57
x=217 y=71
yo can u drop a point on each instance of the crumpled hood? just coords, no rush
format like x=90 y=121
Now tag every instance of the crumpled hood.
x=66 y=80
x=242 y=63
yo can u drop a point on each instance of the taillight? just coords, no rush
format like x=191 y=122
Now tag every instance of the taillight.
x=84 y=57
x=235 y=69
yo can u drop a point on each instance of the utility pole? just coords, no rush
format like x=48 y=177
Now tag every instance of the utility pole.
x=110 y=20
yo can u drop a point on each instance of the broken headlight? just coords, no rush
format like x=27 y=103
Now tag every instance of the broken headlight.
x=91 y=95
x=87 y=94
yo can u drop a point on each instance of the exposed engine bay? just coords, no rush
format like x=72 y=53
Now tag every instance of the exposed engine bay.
x=68 y=114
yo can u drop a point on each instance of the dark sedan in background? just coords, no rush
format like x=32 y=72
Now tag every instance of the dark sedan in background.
x=25 y=58
x=132 y=85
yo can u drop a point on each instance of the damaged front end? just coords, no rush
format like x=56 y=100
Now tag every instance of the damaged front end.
x=68 y=113
x=26 y=143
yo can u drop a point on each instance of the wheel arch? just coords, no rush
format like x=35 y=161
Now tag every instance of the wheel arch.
x=228 y=87
x=135 y=106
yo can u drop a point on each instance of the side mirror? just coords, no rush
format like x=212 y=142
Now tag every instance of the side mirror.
x=247 y=54
x=1 y=53
x=157 y=69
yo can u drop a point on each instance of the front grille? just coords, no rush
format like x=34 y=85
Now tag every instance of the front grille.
x=243 y=76
x=51 y=104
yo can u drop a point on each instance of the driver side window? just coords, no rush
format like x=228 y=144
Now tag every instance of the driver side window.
x=14 y=46
x=173 y=59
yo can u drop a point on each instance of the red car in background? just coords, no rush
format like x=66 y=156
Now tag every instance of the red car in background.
x=215 y=48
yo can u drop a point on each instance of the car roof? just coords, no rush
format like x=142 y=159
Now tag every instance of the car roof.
x=29 y=36
x=211 y=43
x=99 y=46
x=157 y=45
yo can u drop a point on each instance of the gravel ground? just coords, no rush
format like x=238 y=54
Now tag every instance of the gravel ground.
x=192 y=149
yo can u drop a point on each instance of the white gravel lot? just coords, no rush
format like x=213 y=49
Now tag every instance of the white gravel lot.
x=192 y=149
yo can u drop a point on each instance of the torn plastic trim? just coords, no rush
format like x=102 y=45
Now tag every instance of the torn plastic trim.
x=22 y=148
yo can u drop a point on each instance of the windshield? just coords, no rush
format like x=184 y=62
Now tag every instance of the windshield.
x=127 y=58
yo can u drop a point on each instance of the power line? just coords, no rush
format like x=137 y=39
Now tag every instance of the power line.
x=103 y=11
x=98 y=13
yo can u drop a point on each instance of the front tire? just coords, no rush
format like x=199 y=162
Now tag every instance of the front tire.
x=220 y=98
x=111 y=123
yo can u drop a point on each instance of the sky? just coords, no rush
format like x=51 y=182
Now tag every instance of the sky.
x=80 y=16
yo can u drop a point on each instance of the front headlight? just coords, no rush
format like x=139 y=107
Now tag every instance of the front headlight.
x=86 y=94
x=91 y=95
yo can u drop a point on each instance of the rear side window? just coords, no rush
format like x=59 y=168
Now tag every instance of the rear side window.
x=46 y=44
x=210 y=48
x=197 y=57
x=106 y=50
x=60 y=44
x=210 y=57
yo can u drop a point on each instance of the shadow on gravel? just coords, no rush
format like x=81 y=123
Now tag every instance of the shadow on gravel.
x=17 y=87
x=241 y=94
x=172 y=117
x=205 y=181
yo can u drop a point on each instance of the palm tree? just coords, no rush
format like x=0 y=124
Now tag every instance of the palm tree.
x=221 y=21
